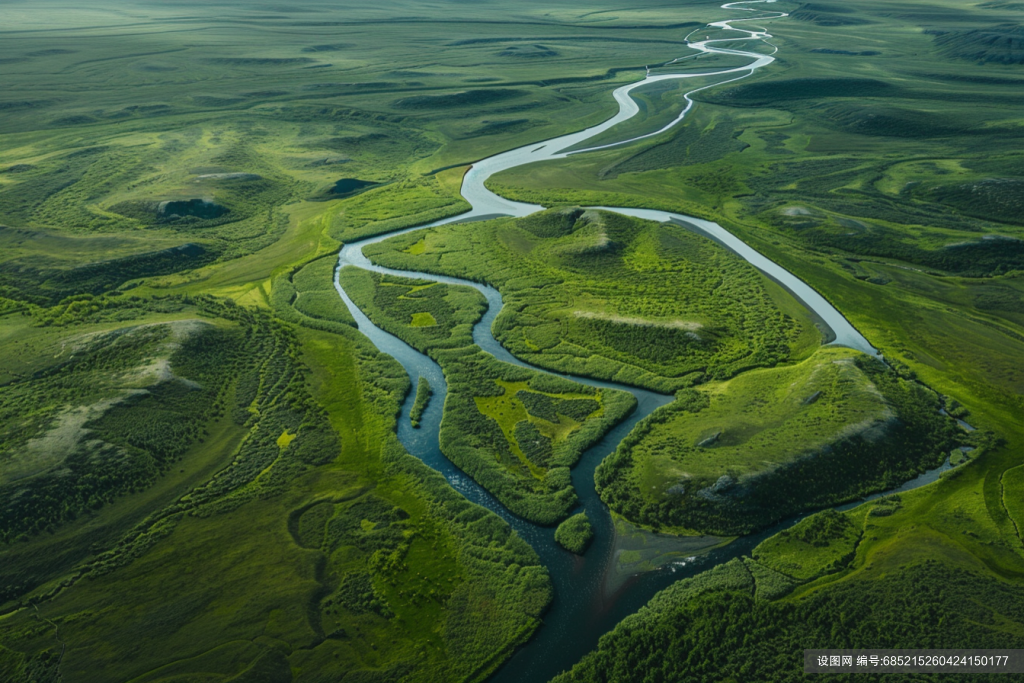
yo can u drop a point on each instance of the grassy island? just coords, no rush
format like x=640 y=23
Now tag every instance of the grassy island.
x=423 y=394
x=575 y=534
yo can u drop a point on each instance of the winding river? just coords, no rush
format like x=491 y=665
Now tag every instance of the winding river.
x=591 y=595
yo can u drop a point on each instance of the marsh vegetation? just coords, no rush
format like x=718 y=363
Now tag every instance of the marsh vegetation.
x=612 y=297
x=575 y=533
x=514 y=430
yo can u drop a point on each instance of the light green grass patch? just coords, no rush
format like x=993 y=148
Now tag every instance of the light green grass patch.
x=417 y=248
x=285 y=439
x=422 y=320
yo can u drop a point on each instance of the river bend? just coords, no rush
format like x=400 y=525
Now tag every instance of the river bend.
x=589 y=598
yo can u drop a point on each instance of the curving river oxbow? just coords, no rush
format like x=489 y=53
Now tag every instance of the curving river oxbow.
x=589 y=598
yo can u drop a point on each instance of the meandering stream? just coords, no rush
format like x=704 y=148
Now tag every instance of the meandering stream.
x=589 y=597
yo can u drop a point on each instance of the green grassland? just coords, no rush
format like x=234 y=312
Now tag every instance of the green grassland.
x=616 y=298
x=174 y=185
x=871 y=161
x=199 y=166
x=879 y=573
x=661 y=103
x=366 y=559
x=850 y=141
x=428 y=316
x=184 y=136
x=315 y=296
x=820 y=544
x=305 y=295
x=1013 y=486
x=733 y=457
x=113 y=411
x=515 y=431
x=135 y=182
x=393 y=207
x=136 y=409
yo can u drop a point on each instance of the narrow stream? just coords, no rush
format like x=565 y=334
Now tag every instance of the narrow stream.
x=590 y=599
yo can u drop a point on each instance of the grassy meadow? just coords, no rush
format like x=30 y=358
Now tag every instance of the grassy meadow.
x=516 y=431
x=429 y=316
x=876 y=160
x=617 y=298
x=357 y=549
x=174 y=183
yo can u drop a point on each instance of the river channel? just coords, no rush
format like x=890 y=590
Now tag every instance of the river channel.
x=592 y=593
